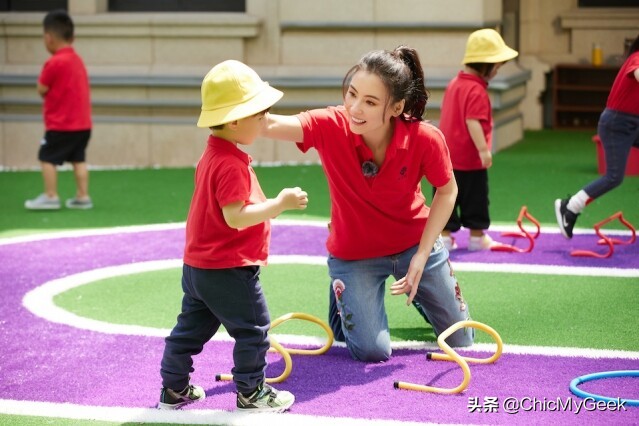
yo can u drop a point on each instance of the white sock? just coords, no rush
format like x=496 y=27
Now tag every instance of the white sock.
x=578 y=202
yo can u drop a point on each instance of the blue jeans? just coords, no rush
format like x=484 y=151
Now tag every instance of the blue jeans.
x=356 y=303
x=619 y=132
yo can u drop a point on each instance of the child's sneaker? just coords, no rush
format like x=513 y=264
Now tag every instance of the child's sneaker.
x=43 y=202
x=75 y=203
x=565 y=218
x=172 y=400
x=265 y=398
x=449 y=243
x=480 y=243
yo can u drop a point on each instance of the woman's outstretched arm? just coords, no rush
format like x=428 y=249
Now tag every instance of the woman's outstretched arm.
x=283 y=127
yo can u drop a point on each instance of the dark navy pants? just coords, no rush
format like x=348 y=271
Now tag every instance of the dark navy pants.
x=619 y=132
x=213 y=297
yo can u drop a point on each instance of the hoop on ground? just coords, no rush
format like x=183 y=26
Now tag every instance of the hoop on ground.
x=603 y=375
x=451 y=355
x=286 y=352
x=523 y=213
x=610 y=242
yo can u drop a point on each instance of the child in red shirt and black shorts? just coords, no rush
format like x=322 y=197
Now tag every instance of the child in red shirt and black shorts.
x=467 y=122
x=64 y=87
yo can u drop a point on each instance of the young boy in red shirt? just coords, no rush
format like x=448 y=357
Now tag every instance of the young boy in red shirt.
x=227 y=240
x=64 y=87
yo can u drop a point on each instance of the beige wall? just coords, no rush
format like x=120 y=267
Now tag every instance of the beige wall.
x=557 y=31
x=146 y=68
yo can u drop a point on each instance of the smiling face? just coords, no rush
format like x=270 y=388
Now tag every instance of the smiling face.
x=367 y=104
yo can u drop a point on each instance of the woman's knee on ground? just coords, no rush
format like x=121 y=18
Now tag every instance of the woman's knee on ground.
x=371 y=353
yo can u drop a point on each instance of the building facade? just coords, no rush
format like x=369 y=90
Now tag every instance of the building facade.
x=146 y=65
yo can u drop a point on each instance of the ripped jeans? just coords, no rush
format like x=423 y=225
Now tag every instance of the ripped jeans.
x=356 y=302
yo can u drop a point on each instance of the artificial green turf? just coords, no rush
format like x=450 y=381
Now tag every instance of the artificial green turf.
x=544 y=166
x=526 y=309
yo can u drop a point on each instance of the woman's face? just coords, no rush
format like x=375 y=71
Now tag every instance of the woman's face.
x=366 y=104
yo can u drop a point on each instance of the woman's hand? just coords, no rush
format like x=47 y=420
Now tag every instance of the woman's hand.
x=410 y=283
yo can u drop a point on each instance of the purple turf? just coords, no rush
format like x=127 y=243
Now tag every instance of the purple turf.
x=44 y=361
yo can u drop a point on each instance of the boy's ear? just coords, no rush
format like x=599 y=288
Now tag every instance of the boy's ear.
x=232 y=125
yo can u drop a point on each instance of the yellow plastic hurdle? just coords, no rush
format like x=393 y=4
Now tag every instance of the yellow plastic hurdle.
x=286 y=352
x=451 y=355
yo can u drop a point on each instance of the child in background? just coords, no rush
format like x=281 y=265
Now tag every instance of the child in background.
x=618 y=129
x=467 y=123
x=227 y=240
x=64 y=86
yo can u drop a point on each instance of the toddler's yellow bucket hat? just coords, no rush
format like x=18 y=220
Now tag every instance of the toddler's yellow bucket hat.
x=231 y=91
x=487 y=46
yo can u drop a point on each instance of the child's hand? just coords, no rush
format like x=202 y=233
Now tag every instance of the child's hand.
x=486 y=158
x=292 y=199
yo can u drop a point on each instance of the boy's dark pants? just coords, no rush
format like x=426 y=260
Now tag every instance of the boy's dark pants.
x=231 y=297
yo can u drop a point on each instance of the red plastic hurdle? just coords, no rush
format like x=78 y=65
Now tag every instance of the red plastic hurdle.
x=523 y=213
x=610 y=242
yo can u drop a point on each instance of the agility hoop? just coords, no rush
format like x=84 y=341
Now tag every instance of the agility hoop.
x=523 y=213
x=605 y=240
x=603 y=375
x=286 y=352
x=451 y=355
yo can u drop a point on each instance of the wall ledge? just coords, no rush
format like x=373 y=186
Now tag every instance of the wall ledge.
x=601 y=18
x=159 y=25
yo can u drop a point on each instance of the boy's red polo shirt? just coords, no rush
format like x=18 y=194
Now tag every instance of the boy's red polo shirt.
x=385 y=214
x=465 y=97
x=67 y=104
x=224 y=176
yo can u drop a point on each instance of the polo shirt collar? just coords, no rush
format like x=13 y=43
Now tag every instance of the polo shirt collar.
x=466 y=76
x=219 y=144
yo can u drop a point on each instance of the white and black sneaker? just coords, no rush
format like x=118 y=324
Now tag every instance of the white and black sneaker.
x=172 y=400
x=565 y=218
x=265 y=398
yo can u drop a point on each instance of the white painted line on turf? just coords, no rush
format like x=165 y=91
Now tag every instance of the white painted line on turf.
x=76 y=233
x=521 y=268
x=189 y=416
x=39 y=301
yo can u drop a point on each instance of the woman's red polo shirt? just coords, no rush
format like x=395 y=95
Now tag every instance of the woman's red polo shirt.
x=385 y=214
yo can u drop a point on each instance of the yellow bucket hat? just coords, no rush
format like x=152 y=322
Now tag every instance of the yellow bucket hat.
x=231 y=91
x=487 y=46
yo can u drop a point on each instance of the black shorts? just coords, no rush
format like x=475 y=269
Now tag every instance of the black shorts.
x=57 y=147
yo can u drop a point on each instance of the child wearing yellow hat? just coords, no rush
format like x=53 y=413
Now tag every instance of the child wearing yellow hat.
x=467 y=123
x=227 y=240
